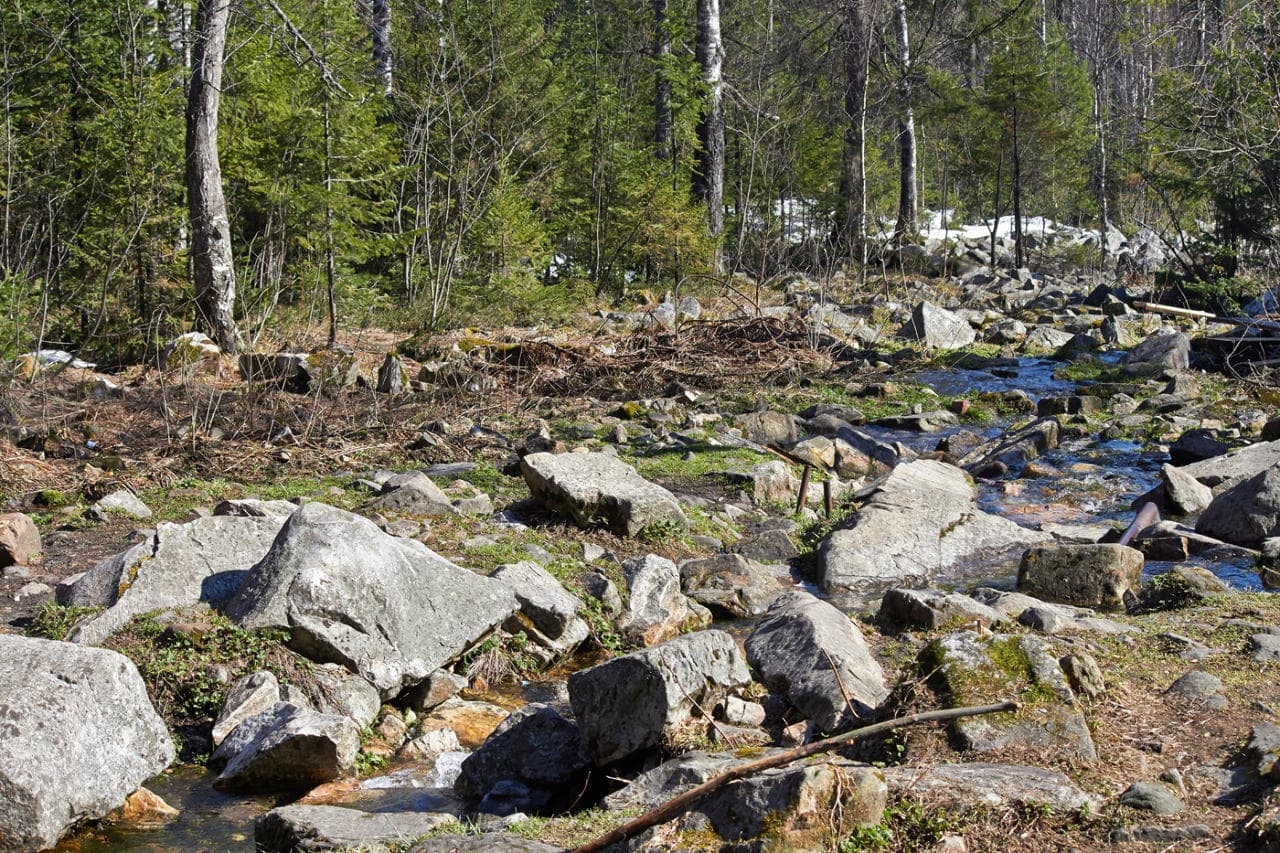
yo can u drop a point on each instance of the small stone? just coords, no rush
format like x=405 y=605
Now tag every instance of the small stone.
x=1153 y=797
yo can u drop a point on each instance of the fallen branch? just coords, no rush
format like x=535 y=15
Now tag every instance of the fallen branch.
x=676 y=806
x=1157 y=308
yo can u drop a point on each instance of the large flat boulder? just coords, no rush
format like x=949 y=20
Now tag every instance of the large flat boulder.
x=813 y=656
x=629 y=703
x=599 y=490
x=978 y=669
x=388 y=608
x=920 y=520
x=938 y=328
x=77 y=736
x=178 y=565
x=1221 y=472
x=1245 y=513
x=317 y=827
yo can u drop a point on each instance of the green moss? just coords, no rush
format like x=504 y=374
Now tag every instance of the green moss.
x=54 y=621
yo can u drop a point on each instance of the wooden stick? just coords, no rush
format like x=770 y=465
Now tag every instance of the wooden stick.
x=1157 y=308
x=674 y=807
x=804 y=487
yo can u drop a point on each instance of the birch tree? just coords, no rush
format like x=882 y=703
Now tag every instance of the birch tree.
x=211 y=257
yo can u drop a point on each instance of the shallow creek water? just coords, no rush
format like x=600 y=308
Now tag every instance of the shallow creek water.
x=1090 y=482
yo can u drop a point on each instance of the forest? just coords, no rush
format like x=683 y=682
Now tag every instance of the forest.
x=226 y=164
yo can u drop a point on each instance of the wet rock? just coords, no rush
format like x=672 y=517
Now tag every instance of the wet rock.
x=656 y=608
x=973 y=670
x=923 y=422
x=551 y=608
x=1073 y=405
x=599 y=490
x=938 y=328
x=1185 y=494
x=1246 y=513
x=472 y=721
x=932 y=609
x=1164 y=349
x=846 y=416
x=982 y=783
x=144 y=809
x=310 y=827
x=78 y=735
x=769 y=427
x=1008 y=453
x=1082 y=575
x=19 y=539
x=919 y=520
x=812 y=655
x=1152 y=797
x=1044 y=338
x=631 y=702
x=178 y=565
x=536 y=746
x=298 y=749
x=730 y=585
x=350 y=593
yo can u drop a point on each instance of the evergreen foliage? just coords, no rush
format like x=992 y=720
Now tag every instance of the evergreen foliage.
x=512 y=161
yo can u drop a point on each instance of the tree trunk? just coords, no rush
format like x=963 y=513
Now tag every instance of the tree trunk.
x=908 y=192
x=709 y=176
x=210 y=230
x=855 y=31
x=661 y=81
x=379 y=23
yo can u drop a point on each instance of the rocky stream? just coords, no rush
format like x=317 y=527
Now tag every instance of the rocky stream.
x=1051 y=491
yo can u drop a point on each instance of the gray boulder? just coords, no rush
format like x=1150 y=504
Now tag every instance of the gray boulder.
x=920 y=520
x=486 y=843
x=293 y=749
x=812 y=655
x=248 y=697
x=390 y=609
x=311 y=828
x=120 y=502
x=342 y=692
x=1164 y=349
x=982 y=783
x=178 y=565
x=631 y=702
x=1222 y=472
x=1246 y=513
x=1082 y=575
x=552 y=611
x=730 y=585
x=797 y=808
x=598 y=490
x=78 y=736
x=413 y=493
x=769 y=427
x=938 y=328
x=536 y=746
x=974 y=669
x=932 y=609
x=1186 y=495
x=656 y=608
x=769 y=483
